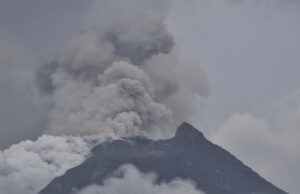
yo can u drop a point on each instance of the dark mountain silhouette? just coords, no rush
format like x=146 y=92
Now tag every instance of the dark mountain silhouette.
x=188 y=155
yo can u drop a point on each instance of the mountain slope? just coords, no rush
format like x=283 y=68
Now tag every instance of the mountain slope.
x=187 y=155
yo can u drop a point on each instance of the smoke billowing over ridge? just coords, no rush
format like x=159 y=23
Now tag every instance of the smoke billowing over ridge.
x=27 y=167
x=121 y=76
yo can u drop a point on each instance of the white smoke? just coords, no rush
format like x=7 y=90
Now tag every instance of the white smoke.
x=27 y=167
x=131 y=180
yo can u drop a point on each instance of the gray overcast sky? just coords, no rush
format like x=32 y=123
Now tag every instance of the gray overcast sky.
x=250 y=51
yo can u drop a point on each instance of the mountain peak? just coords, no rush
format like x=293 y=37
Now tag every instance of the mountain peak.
x=187 y=132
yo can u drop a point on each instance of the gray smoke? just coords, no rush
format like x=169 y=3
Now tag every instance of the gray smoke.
x=49 y=47
x=121 y=76
x=110 y=69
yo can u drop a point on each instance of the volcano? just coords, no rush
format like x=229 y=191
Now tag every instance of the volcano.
x=188 y=155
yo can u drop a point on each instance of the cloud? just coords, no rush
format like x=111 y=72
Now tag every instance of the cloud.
x=267 y=140
x=27 y=167
x=129 y=179
x=114 y=70
x=115 y=79
x=60 y=73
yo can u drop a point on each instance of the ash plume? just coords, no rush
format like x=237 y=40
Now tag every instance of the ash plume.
x=121 y=76
x=116 y=71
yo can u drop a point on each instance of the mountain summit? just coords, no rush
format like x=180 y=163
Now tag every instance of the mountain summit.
x=189 y=134
x=188 y=155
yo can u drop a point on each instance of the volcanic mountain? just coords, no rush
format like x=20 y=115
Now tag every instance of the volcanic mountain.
x=188 y=155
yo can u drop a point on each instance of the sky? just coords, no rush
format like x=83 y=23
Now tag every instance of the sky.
x=233 y=72
x=248 y=49
x=250 y=53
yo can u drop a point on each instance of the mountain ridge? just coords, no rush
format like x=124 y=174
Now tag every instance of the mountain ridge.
x=188 y=155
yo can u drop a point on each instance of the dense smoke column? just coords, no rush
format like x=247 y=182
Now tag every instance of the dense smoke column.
x=120 y=77
x=120 y=74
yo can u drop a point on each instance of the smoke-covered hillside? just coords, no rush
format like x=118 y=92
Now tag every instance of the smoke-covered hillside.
x=186 y=157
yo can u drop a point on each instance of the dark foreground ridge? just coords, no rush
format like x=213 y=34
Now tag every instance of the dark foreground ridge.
x=188 y=155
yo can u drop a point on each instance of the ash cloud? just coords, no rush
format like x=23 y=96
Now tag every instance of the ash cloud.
x=122 y=76
x=78 y=44
x=129 y=179
x=114 y=70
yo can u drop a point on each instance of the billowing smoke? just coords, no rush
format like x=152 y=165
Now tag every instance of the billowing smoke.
x=55 y=43
x=122 y=76
x=128 y=179
x=27 y=167
x=116 y=71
